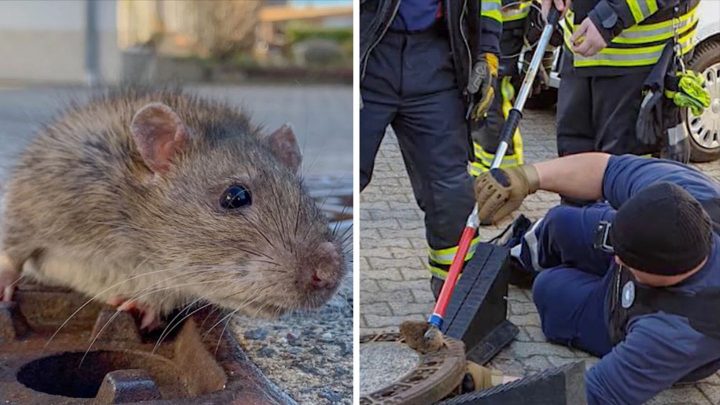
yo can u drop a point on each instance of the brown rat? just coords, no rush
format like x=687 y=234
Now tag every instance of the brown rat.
x=154 y=199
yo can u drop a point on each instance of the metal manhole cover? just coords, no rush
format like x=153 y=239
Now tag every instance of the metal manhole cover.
x=384 y=362
x=431 y=378
x=194 y=364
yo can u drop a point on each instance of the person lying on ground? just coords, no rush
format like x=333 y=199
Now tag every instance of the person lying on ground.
x=633 y=278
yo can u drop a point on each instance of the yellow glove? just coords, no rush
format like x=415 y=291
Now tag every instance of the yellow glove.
x=501 y=191
x=482 y=84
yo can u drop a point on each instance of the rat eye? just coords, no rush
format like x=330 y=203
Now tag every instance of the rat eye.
x=235 y=196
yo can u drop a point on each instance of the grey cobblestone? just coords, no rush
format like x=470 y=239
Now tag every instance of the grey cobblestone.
x=392 y=235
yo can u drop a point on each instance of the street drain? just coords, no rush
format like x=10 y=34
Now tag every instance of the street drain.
x=195 y=364
x=77 y=375
x=426 y=378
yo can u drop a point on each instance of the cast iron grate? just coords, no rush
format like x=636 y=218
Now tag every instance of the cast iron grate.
x=190 y=366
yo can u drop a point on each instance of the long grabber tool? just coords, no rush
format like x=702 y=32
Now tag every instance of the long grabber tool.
x=512 y=121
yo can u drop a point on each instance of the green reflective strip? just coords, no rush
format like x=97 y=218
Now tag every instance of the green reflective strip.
x=437 y=272
x=475 y=169
x=642 y=9
x=645 y=33
x=626 y=57
x=629 y=57
x=446 y=256
x=495 y=15
x=491 y=9
x=515 y=13
x=486 y=158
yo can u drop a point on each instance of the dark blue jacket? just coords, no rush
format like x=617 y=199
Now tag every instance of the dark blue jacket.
x=474 y=27
x=659 y=349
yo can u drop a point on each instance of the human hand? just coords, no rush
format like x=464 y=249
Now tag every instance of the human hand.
x=482 y=85
x=587 y=40
x=560 y=5
x=501 y=191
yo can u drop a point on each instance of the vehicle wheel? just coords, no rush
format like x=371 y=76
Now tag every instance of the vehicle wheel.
x=704 y=129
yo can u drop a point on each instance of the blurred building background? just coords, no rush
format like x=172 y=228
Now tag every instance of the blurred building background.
x=111 y=41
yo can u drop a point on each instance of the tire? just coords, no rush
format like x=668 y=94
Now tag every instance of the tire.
x=704 y=131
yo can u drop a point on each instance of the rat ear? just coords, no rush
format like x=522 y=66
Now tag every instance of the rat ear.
x=284 y=146
x=159 y=134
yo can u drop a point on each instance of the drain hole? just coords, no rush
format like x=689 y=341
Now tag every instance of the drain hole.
x=64 y=375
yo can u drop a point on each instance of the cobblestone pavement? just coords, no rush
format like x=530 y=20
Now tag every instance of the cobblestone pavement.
x=309 y=355
x=394 y=283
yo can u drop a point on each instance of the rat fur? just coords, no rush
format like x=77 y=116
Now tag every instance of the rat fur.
x=120 y=198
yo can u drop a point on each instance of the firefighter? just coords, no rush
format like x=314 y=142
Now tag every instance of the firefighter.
x=634 y=280
x=485 y=133
x=610 y=49
x=426 y=65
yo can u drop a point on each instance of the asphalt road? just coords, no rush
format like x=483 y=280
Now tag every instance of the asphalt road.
x=320 y=115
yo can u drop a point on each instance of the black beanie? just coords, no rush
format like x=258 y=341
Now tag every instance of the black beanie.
x=662 y=230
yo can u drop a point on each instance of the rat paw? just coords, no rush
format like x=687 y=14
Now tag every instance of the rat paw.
x=8 y=279
x=149 y=317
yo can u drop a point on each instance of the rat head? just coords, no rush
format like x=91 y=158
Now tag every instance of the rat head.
x=223 y=208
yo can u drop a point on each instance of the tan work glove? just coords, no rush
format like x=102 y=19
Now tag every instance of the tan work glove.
x=501 y=191
x=482 y=84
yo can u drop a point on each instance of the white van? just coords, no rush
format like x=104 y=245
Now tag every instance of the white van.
x=705 y=129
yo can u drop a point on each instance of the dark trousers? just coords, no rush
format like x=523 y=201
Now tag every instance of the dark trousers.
x=410 y=85
x=571 y=289
x=599 y=113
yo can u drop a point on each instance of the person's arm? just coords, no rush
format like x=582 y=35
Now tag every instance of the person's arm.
x=627 y=175
x=657 y=352
x=501 y=191
x=609 y=18
x=587 y=176
x=575 y=176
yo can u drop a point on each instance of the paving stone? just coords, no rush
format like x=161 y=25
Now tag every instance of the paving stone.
x=531 y=319
x=711 y=392
x=379 y=321
x=380 y=308
x=381 y=263
x=687 y=395
x=369 y=285
x=382 y=274
x=411 y=274
x=528 y=349
x=535 y=333
x=405 y=308
x=385 y=296
x=522 y=308
x=561 y=361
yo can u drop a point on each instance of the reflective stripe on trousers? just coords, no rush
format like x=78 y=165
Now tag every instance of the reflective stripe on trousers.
x=491 y=9
x=439 y=260
x=483 y=159
x=517 y=11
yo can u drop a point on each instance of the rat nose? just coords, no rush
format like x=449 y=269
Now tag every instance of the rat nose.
x=318 y=282
x=324 y=276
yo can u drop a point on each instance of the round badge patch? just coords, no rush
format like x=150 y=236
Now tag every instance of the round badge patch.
x=628 y=294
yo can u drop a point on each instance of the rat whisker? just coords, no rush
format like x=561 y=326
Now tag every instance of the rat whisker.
x=136 y=297
x=166 y=332
x=223 y=319
x=96 y=296
x=222 y=333
x=185 y=308
x=257 y=229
